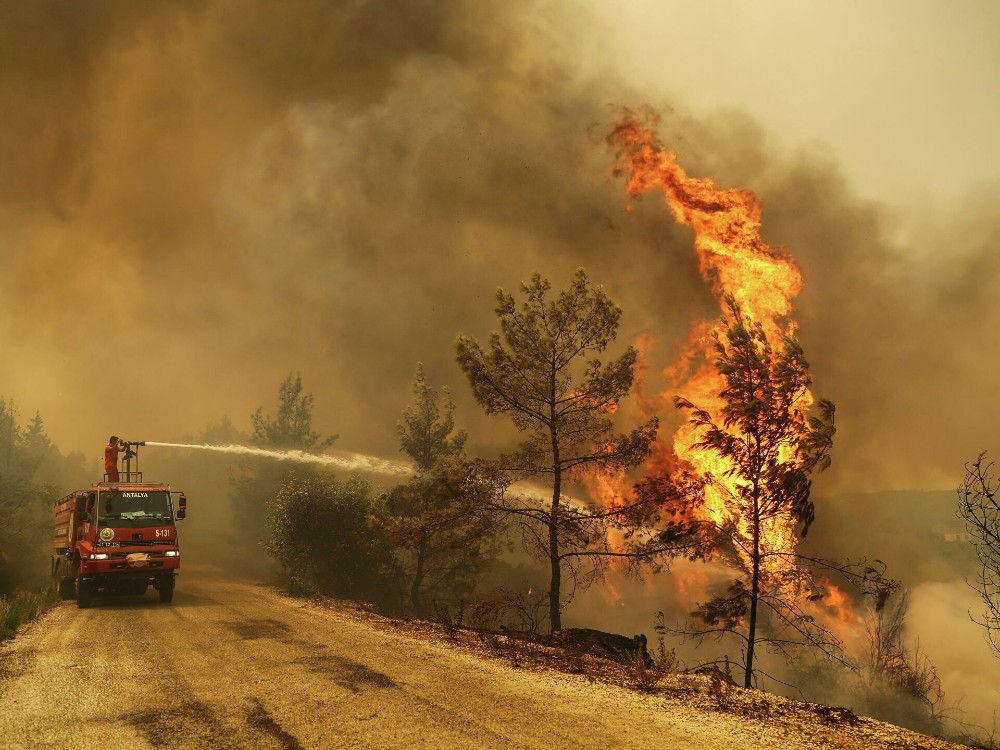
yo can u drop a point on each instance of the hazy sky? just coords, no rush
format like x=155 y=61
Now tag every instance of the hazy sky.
x=904 y=94
x=197 y=198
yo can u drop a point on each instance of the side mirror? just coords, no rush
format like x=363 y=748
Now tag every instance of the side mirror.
x=182 y=503
x=81 y=503
x=181 y=513
x=82 y=516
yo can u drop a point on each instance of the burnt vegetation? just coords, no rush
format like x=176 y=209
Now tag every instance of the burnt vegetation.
x=897 y=680
x=979 y=507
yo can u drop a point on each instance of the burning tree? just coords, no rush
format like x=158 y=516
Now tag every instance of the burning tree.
x=749 y=445
x=751 y=498
x=979 y=507
x=439 y=520
x=538 y=374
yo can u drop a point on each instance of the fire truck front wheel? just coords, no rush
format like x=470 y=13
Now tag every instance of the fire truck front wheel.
x=166 y=588
x=84 y=593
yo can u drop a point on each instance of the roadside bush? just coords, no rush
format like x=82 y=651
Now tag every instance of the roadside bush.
x=321 y=537
x=24 y=607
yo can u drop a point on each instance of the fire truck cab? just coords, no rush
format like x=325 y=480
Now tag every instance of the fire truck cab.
x=117 y=538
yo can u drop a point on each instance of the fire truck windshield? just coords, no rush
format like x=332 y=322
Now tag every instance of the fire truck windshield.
x=137 y=508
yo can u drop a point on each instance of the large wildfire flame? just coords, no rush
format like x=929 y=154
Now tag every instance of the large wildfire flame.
x=733 y=259
x=736 y=262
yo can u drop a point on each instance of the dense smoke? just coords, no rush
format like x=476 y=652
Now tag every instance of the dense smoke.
x=198 y=198
x=202 y=199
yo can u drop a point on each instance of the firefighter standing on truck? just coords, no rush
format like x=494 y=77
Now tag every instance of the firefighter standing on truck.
x=111 y=451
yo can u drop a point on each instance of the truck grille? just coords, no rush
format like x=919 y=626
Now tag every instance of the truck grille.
x=147 y=566
x=123 y=555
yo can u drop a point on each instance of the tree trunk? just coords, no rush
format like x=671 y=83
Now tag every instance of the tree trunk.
x=754 y=592
x=555 y=605
x=555 y=616
x=418 y=578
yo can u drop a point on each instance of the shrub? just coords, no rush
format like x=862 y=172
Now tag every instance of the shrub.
x=321 y=536
x=24 y=607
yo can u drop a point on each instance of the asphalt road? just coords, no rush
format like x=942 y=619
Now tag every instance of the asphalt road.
x=234 y=665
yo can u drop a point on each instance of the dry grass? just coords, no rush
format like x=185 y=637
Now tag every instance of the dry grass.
x=23 y=607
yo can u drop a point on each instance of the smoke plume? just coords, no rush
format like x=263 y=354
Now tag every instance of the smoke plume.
x=199 y=198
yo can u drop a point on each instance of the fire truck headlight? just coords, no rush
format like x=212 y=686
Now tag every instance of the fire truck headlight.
x=99 y=556
x=172 y=553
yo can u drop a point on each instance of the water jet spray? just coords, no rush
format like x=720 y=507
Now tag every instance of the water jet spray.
x=350 y=461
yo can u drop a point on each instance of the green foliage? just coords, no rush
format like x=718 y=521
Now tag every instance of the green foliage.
x=438 y=521
x=542 y=372
x=292 y=427
x=537 y=375
x=425 y=432
x=320 y=535
x=441 y=528
x=25 y=503
x=257 y=481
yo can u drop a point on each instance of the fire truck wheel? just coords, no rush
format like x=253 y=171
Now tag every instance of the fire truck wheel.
x=167 y=590
x=84 y=593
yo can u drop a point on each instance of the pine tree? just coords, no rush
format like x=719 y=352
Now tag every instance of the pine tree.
x=537 y=372
x=438 y=521
x=770 y=447
x=257 y=482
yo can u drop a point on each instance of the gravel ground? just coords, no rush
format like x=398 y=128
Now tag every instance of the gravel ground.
x=234 y=665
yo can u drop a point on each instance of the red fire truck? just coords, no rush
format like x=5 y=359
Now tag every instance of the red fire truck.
x=117 y=537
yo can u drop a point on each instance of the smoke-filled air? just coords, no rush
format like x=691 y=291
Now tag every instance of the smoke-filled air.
x=230 y=231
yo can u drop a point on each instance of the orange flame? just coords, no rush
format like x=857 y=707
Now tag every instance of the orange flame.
x=735 y=261
x=726 y=223
x=838 y=604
